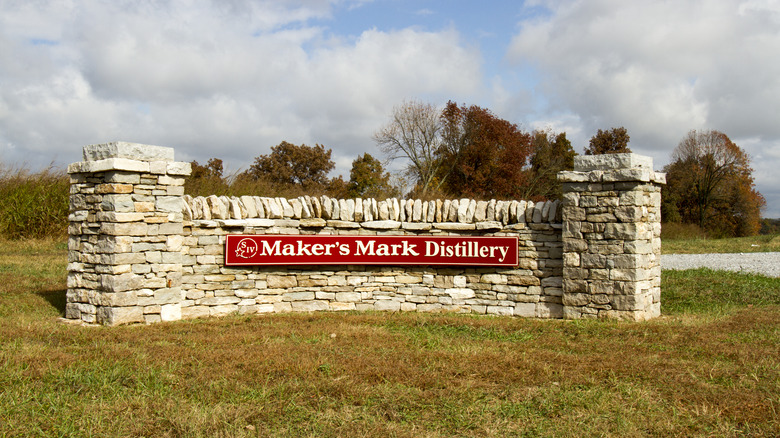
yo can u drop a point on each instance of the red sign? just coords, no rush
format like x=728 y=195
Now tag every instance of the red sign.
x=244 y=250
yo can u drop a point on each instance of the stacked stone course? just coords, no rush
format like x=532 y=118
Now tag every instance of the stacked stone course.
x=142 y=251
x=124 y=259
x=532 y=289
x=612 y=237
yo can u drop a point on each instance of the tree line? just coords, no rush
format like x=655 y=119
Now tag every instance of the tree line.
x=467 y=151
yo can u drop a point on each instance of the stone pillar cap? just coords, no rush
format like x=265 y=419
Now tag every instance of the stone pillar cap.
x=584 y=163
x=131 y=151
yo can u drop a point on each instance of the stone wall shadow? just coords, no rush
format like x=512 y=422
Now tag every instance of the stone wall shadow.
x=55 y=297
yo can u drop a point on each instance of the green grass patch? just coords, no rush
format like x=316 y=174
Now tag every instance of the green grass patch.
x=762 y=243
x=708 y=291
x=707 y=367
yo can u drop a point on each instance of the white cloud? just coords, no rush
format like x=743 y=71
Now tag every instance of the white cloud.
x=225 y=79
x=660 y=69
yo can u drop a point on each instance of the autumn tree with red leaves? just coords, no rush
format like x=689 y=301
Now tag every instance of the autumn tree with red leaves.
x=481 y=155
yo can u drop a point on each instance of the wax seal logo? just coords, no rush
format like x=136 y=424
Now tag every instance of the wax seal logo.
x=246 y=248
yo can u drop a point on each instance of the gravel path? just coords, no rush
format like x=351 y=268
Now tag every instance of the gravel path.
x=765 y=263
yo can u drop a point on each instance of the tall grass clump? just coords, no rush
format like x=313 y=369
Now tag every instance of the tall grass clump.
x=33 y=205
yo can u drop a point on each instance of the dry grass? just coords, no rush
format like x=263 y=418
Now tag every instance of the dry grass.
x=33 y=204
x=701 y=370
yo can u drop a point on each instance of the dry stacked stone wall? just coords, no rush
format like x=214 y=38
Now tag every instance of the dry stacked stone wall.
x=612 y=237
x=141 y=251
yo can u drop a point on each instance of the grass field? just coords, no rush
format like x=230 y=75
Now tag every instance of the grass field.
x=763 y=243
x=709 y=367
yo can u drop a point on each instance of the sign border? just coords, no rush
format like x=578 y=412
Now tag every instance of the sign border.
x=228 y=237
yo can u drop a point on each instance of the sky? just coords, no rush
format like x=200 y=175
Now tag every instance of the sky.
x=232 y=78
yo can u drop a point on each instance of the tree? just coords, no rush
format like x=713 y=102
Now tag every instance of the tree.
x=206 y=179
x=710 y=183
x=212 y=169
x=551 y=154
x=413 y=133
x=368 y=178
x=614 y=141
x=481 y=155
x=290 y=164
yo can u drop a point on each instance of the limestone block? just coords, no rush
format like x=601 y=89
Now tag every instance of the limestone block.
x=387 y=306
x=368 y=213
x=429 y=307
x=249 y=205
x=416 y=211
x=537 y=215
x=264 y=308
x=504 y=212
x=480 y=211
x=306 y=210
x=396 y=210
x=460 y=293
x=412 y=226
x=309 y=306
x=493 y=279
x=121 y=283
x=463 y=206
x=529 y=212
x=526 y=310
x=169 y=204
x=521 y=208
x=489 y=226
x=500 y=310
x=119 y=299
x=287 y=209
x=119 y=315
x=132 y=151
x=338 y=306
x=170 y=312
x=283 y=307
x=374 y=208
x=445 y=210
x=179 y=168
x=454 y=226
x=490 y=211
x=584 y=163
x=274 y=210
x=167 y=296
x=317 y=208
x=381 y=225
x=335 y=209
x=217 y=301
x=576 y=299
x=297 y=208
x=549 y=310
x=430 y=211
x=513 y=207
x=282 y=281
x=350 y=213
x=327 y=207
x=359 y=210
x=313 y=223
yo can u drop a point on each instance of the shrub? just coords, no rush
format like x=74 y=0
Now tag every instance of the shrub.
x=33 y=204
x=676 y=230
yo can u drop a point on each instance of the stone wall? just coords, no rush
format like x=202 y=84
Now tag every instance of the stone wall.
x=142 y=251
x=531 y=289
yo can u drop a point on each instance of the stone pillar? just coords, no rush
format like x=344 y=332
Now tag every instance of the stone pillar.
x=125 y=234
x=612 y=237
